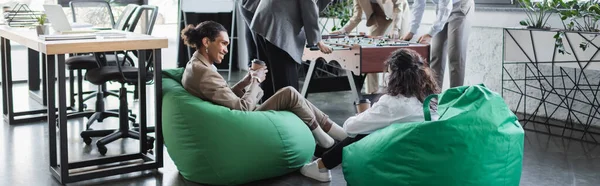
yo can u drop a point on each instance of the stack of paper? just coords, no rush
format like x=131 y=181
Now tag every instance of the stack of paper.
x=59 y=37
x=111 y=34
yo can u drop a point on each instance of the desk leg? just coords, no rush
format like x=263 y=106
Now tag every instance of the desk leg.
x=158 y=107
x=7 y=86
x=62 y=118
x=45 y=81
x=3 y=66
x=142 y=101
x=51 y=110
x=34 y=69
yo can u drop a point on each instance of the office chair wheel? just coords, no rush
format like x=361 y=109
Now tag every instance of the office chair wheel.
x=102 y=149
x=87 y=140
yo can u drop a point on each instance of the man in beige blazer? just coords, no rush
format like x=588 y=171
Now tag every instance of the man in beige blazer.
x=200 y=78
x=380 y=15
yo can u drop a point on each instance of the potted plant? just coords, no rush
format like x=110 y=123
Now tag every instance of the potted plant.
x=579 y=16
x=42 y=28
x=538 y=13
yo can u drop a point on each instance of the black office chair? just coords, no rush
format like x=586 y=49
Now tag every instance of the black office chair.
x=123 y=75
x=151 y=15
x=87 y=62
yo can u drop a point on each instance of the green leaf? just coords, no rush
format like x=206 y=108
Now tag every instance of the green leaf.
x=523 y=23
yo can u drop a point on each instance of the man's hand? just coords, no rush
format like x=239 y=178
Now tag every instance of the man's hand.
x=425 y=39
x=248 y=78
x=324 y=48
x=338 y=32
x=261 y=74
x=408 y=36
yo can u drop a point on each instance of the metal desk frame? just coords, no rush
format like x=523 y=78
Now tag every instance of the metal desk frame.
x=60 y=165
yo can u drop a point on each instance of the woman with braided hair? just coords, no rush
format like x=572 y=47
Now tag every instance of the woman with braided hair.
x=410 y=82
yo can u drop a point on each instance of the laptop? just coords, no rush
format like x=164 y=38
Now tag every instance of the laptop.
x=60 y=23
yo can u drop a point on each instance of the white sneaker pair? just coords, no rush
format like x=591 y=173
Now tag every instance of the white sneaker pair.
x=311 y=170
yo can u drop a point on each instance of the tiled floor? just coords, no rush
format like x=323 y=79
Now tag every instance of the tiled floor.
x=547 y=160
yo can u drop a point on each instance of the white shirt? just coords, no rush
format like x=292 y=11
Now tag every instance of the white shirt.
x=444 y=7
x=388 y=110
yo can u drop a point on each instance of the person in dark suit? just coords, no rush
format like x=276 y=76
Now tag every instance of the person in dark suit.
x=282 y=30
x=247 y=9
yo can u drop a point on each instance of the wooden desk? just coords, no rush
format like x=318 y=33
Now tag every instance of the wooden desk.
x=53 y=52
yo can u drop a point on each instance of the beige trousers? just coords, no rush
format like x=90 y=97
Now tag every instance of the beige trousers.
x=288 y=98
x=452 y=42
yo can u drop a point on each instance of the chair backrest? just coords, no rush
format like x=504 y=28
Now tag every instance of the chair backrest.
x=147 y=13
x=122 y=22
x=95 y=12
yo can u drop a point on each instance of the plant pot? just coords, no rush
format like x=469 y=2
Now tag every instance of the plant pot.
x=543 y=28
x=42 y=29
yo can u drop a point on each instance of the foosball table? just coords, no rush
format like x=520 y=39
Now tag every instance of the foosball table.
x=353 y=56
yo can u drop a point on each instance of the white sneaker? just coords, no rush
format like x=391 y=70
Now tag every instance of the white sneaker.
x=311 y=170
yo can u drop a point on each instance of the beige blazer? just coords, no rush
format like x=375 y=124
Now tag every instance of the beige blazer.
x=201 y=80
x=398 y=11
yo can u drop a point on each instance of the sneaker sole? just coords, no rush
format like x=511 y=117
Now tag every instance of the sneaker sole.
x=305 y=174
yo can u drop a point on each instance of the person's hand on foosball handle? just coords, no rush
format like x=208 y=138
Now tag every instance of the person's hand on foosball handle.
x=324 y=48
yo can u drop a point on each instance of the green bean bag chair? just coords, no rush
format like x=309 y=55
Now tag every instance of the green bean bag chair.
x=477 y=141
x=212 y=144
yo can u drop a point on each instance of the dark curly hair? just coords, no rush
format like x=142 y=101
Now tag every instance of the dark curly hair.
x=192 y=35
x=410 y=76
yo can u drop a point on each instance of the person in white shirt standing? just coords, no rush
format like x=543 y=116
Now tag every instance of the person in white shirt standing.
x=410 y=82
x=382 y=16
x=449 y=36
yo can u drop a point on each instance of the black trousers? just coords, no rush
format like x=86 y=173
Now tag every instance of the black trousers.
x=283 y=69
x=251 y=45
x=332 y=157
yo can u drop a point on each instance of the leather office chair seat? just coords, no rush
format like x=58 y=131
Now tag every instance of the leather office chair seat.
x=89 y=62
x=108 y=73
